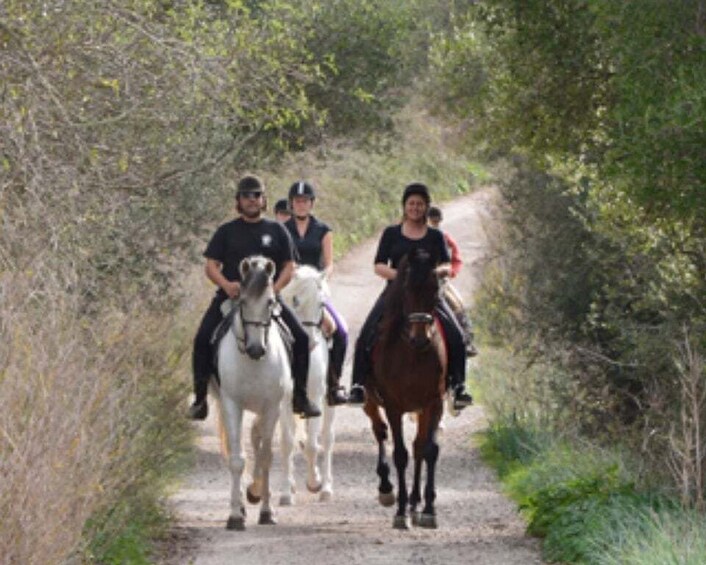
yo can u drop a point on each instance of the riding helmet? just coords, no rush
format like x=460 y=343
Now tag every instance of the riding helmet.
x=434 y=213
x=282 y=206
x=302 y=188
x=416 y=188
x=250 y=183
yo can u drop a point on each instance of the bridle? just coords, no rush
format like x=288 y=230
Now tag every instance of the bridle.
x=316 y=323
x=244 y=322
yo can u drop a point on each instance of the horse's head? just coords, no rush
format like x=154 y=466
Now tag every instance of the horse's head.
x=415 y=296
x=306 y=293
x=257 y=301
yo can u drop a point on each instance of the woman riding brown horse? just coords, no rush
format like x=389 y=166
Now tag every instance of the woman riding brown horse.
x=409 y=375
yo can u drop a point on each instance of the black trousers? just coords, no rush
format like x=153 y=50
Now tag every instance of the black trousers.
x=203 y=354
x=362 y=363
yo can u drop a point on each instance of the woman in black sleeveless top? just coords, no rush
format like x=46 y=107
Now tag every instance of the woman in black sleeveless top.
x=313 y=241
x=396 y=241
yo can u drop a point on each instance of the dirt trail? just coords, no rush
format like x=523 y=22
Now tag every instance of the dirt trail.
x=477 y=524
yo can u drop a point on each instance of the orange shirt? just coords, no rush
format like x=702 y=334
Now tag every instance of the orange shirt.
x=455 y=253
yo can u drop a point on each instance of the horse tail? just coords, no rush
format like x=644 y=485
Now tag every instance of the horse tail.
x=221 y=429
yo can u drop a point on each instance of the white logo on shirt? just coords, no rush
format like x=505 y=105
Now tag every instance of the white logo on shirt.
x=267 y=240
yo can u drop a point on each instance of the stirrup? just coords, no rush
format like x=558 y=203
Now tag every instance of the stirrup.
x=336 y=395
x=357 y=395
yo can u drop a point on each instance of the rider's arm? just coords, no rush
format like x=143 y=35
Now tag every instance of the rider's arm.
x=285 y=275
x=327 y=253
x=456 y=261
x=385 y=271
x=214 y=274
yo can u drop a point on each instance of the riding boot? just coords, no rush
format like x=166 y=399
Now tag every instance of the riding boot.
x=199 y=409
x=460 y=397
x=361 y=367
x=335 y=393
x=300 y=401
x=301 y=404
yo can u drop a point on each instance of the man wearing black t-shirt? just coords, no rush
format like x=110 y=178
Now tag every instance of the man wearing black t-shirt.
x=249 y=234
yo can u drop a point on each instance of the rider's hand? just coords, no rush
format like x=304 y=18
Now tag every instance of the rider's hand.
x=231 y=288
x=443 y=271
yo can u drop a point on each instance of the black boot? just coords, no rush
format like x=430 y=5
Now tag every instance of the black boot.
x=461 y=397
x=303 y=406
x=335 y=393
x=300 y=401
x=198 y=410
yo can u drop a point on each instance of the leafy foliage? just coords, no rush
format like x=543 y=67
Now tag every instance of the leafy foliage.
x=602 y=266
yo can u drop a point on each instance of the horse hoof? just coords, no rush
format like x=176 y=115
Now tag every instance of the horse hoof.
x=266 y=518
x=325 y=496
x=316 y=488
x=236 y=523
x=386 y=498
x=415 y=518
x=400 y=523
x=286 y=500
x=428 y=521
x=252 y=498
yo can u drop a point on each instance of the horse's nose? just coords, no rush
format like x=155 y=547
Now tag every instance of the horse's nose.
x=255 y=351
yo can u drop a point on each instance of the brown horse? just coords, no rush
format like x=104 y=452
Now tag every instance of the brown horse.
x=409 y=375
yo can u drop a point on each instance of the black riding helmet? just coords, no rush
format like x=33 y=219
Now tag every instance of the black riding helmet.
x=435 y=213
x=250 y=183
x=282 y=206
x=302 y=188
x=416 y=188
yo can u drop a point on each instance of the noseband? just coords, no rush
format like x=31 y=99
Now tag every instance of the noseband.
x=425 y=319
x=256 y=323
x=420 y=318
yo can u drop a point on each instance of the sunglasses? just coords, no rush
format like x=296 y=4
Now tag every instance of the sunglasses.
x=251 y=193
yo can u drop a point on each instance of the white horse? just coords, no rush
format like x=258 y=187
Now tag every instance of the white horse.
x=254 y=375
x=306 y=294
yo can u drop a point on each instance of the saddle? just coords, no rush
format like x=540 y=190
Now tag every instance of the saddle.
x=229 y=308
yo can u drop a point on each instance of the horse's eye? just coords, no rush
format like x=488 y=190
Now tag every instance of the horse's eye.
x=295 y=302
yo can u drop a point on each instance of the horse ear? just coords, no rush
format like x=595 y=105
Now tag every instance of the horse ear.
x=244 y=267
x=270 y=268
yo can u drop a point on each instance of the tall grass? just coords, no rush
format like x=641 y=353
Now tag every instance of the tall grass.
x=654 y=538
x=85 y=419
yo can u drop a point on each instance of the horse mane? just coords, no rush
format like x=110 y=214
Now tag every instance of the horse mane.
x=413 y=271
x=256 y=281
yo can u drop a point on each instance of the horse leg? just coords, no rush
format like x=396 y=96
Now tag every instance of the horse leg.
x=254 y=490
x=233 y=421
x=401 y=458
x=264 y=457
x=415 y=496
x=287 y=430
x=386 y=496
x=328 y=437
x=431 y=456
x=312 y=449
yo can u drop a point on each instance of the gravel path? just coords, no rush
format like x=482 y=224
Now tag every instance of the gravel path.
x=477 y=524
